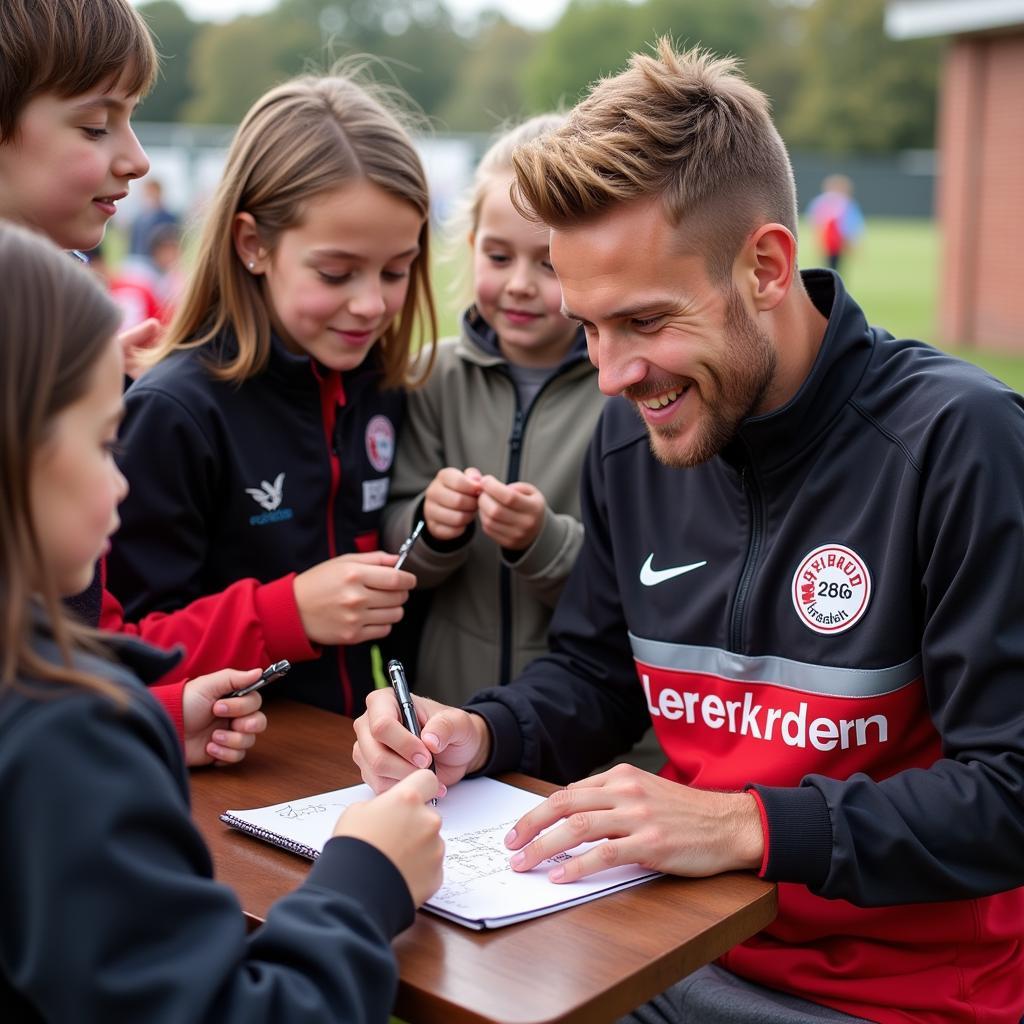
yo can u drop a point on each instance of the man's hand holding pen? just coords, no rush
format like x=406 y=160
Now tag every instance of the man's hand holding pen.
x=648 y=820
x=386 y=751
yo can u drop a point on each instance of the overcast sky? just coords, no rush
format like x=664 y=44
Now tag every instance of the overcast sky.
x=535 y=13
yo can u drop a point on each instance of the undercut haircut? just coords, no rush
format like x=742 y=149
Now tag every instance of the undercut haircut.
x=67 y=47
x=687 y=128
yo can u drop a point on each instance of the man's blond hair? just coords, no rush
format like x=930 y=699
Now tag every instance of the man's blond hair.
x=683 y=126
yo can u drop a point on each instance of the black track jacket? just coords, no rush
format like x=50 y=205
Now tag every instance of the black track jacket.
x=831 y=610
x=262 y=480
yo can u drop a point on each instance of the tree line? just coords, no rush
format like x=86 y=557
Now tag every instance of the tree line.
x=837 y=82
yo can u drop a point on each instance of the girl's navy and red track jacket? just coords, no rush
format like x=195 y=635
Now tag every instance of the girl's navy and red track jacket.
x=235 y=489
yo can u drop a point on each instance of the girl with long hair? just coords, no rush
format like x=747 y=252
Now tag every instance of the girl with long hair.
x=260 y=444
x=111 y=912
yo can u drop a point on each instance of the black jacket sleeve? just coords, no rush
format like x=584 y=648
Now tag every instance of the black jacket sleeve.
x=580 y=706
x=110 y=910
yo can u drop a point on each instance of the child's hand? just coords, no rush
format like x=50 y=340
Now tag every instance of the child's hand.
x=220 y=731
x=405 y=828
x=511 y=514
x=352 y=598
x=134 y=343
x=450 y=503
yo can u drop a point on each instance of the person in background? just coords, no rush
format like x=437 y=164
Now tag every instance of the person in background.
x=144 y=287
x=278 y=390
x=130 y=285
x=153 y=214
x=165 y=258
x=837 y=219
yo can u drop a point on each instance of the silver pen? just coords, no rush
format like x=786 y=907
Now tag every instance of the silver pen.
x=396 y=673
x=403 y=551
x=275 y=671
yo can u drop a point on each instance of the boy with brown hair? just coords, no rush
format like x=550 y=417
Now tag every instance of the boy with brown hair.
x=71 y=75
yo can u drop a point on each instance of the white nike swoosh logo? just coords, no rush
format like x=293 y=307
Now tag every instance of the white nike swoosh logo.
x=651 y=577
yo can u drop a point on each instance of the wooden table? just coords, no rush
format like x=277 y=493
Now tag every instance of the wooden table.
x=585 y=965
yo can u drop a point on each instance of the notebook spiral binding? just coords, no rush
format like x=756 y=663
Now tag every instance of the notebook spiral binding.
x=271 y=837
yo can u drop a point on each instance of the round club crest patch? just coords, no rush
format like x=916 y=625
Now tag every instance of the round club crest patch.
x=831 y=589
x=380 y=443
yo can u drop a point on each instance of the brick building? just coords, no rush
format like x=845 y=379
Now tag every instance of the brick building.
x=980 y=194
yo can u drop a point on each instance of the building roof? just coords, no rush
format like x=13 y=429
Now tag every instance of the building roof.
x=911 y=19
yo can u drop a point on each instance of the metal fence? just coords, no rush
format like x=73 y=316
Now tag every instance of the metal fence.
x=188 y=160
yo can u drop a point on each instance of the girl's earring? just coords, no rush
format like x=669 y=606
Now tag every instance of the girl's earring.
x=251 y=265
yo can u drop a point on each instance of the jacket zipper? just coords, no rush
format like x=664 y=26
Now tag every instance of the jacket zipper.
x=515 y=448
x=329 y=401
x=755 y=505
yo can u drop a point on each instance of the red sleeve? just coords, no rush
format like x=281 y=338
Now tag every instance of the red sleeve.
x=764 y=830
x=248 y=625
x=170 y=696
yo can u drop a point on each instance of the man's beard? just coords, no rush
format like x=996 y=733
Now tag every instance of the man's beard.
x=738 y=385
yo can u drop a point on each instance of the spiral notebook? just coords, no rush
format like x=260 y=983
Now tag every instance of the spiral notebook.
x=480 y=890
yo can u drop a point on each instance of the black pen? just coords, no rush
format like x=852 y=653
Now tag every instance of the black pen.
x=403 y=551
x=275 y=671
x=396 y=673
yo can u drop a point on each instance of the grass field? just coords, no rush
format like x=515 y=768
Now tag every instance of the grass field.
x=893 y=275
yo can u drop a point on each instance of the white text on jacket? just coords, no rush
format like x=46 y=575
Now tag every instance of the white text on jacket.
x=746 y=718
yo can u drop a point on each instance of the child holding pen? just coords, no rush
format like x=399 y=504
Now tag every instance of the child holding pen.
x=111 y=912
x=278 y=391
x=71 y=75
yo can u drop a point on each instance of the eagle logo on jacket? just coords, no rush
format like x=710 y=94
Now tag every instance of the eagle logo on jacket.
x=268 y=496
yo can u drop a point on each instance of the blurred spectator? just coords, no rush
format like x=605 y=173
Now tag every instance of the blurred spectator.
x=153 y=214
x=164 y=249
x=837 y=219
x=144 y=286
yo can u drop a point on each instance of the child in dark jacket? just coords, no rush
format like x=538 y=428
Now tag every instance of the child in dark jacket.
x=73 y=72
x=278 y=391
x=125 y=922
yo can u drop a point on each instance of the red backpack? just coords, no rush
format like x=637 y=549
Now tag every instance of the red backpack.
x=832 y=236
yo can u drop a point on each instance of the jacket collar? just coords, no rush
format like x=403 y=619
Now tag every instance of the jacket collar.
x=148 y=663
x=298 y=370
x=846 y=348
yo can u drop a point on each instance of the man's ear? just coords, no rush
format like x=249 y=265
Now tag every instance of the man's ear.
x=766 y=265
x=249 y=245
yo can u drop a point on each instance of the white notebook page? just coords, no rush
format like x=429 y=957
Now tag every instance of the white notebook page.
x=479 y=888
